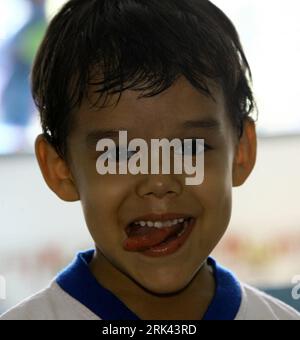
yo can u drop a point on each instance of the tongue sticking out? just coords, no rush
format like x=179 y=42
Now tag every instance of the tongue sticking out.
x=143 y=238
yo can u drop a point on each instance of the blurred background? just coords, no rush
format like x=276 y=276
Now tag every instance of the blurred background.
x=263 y=243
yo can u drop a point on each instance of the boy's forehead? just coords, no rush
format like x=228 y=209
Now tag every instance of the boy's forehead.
x=179 y=103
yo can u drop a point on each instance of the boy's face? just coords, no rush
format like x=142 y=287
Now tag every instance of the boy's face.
x=111 y=202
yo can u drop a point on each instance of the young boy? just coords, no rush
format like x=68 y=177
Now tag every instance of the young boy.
x=155 y=69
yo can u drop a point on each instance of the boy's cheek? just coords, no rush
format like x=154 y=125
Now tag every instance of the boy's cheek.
x=215 y=193
x=102 y=196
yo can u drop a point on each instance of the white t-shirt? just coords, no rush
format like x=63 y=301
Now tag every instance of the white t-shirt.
x=76 y=295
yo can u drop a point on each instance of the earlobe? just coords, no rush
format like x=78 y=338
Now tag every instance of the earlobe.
x=245 y=155
x=55 y=171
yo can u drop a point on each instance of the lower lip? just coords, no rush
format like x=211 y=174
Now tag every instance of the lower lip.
x=171 y=247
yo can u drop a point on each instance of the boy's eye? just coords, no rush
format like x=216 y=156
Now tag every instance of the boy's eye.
x=120 y=154
x=192 y=147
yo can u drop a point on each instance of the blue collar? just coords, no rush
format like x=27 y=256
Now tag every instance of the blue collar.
x=78 y=281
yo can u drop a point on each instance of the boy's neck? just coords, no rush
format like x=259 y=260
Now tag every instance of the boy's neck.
x=189 y=304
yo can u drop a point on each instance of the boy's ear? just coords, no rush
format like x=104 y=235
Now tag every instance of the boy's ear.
x=55 y=171
x=245 y=154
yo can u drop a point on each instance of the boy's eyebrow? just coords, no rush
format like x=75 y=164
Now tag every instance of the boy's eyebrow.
x=209 y=124
x=93 y=137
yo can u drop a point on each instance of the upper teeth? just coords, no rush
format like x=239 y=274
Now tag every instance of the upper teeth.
x=160 y=224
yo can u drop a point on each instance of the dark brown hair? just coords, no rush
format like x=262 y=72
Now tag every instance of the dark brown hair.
x=142 y=45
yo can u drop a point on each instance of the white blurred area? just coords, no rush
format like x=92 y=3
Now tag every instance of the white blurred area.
x=53 y=6
x=39 y=234
x=15 y=139
x=270 y=34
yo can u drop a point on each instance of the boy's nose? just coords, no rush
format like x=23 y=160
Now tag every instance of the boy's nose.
x=159 y=186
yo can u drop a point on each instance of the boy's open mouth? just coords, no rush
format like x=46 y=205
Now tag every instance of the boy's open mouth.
x=158 y=236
